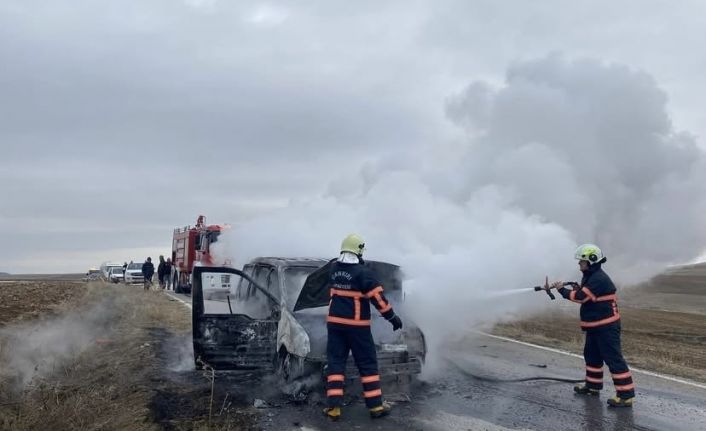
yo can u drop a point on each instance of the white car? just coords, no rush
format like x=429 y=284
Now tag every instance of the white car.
x=107 y=266
x=115 y=275
x=133 y=274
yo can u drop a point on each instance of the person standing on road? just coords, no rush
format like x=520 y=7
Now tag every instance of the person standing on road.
x=124 y=270
x=353 y=286
x=148 y=272
x=601 y=322
x=168 y=273
x=160 y=271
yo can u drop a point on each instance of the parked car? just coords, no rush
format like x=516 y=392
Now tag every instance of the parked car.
x=274 y=318
x=115 y=275
x=133 y=273
x=92 y=274
x=107 y=266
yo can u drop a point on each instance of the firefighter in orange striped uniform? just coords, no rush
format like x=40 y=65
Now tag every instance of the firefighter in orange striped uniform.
x=601 y=322
x=353 y=286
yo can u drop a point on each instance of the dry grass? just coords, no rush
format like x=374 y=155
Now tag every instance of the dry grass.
x=97 y=390
x=113 y=383
x=668 y=342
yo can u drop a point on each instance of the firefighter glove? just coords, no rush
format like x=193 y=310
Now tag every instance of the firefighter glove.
x=396 y=322
x=556 y=285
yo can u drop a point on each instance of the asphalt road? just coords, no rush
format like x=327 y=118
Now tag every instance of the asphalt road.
x=451 y=398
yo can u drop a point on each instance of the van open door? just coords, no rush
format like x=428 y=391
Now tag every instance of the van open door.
x=237 y=330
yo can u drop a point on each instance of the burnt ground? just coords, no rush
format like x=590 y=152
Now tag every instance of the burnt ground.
x=186 y=399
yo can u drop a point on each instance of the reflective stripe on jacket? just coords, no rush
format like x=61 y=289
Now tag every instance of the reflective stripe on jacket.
x=599 y=302
x=353 y=287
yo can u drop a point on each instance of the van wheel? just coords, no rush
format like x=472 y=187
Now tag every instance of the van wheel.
x=282 y=364
x=287 y=366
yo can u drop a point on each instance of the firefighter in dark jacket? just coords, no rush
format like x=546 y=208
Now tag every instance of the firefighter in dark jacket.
x=353 y=286
x=601 y=321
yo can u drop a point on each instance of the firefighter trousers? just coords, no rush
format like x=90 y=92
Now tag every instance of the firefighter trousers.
x=359 y=340
x=603 y=346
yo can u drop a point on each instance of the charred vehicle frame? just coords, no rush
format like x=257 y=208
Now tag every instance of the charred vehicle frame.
x=274 y=319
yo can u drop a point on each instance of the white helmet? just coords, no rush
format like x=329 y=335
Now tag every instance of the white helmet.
x=590 y=253
x=353 y=244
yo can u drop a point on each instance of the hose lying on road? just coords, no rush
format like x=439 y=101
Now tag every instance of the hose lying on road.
x=525 y=379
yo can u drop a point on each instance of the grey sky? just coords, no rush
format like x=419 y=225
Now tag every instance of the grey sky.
x=121 y=120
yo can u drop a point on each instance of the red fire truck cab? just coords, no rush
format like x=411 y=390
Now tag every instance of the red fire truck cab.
x=191 y=246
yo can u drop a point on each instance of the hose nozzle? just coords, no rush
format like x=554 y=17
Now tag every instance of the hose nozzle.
x=545 y=288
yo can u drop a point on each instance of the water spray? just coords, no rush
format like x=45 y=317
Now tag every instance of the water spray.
x=545 y=288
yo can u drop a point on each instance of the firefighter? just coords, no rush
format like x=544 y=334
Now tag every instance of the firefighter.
x=353 y=287
x=601 y=322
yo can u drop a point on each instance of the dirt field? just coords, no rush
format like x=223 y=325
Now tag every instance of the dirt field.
x=113 y=365
x=663 y=329
x=679 y=289
x=41 y=277
x=20 y=300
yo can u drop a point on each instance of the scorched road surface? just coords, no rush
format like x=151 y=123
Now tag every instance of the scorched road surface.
x=453 y=399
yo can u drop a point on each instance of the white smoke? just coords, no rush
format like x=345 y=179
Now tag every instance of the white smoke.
x=590 y=147
x=565 y=152
x=38 y=349
x=181 y=352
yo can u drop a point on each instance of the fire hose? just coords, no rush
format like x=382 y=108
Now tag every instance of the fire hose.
x=524 y=379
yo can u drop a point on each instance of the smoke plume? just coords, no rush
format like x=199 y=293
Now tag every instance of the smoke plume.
x=564 y=152
x=37 y=349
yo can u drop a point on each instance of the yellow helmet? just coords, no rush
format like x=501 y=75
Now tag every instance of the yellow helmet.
x=354 y=244
x=590 y=253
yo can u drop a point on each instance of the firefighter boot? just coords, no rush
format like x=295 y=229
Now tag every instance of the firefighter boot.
x=616 y=401
x=333 y=413
x=380 y=411
x=585 y=390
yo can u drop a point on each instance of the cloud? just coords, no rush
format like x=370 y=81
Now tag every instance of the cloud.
x=235 y=108
x=201 y=4
x=268 y=15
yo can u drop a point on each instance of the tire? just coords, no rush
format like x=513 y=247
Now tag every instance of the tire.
x=175 y=283
x=294 y=376
x=283 y=365
x=290 y=367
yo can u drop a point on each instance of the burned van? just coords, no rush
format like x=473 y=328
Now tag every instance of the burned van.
x=274 y=318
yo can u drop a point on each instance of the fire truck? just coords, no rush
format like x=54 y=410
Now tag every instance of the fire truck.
x=191 y=246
